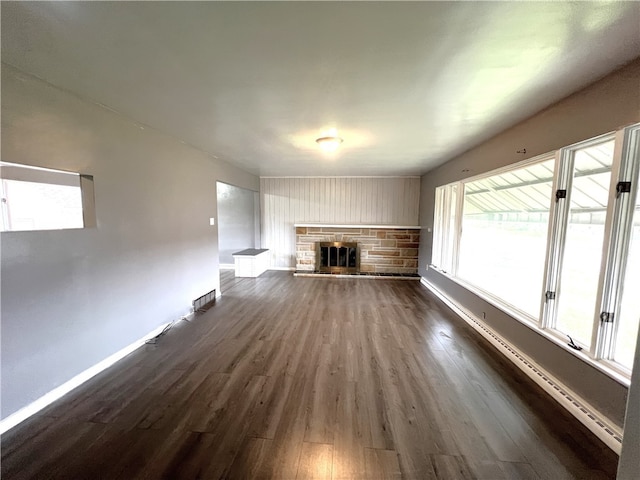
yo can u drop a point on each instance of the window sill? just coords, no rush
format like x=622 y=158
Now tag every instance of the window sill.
x=605 y=366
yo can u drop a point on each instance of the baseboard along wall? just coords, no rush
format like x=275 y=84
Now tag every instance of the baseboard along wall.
x=597 y=423
x=60 y=391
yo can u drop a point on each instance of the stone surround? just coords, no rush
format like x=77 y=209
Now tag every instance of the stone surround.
x=382 y=249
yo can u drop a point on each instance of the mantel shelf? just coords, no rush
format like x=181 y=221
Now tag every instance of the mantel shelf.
x=332 y=225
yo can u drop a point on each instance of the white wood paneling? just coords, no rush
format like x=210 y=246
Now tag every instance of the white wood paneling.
x=335 y=200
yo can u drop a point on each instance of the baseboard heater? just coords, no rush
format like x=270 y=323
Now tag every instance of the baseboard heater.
x=579 y=408
x=205 y=302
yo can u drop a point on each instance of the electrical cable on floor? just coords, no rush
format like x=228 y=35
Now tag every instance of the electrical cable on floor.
x=154 y=340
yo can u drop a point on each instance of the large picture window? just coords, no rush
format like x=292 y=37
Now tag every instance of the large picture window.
x=555 y=241
x=503 y=216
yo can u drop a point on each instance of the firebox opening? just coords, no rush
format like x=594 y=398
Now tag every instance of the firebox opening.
x=337 y=257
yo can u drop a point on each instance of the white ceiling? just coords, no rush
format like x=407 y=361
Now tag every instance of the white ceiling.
x=407 y=85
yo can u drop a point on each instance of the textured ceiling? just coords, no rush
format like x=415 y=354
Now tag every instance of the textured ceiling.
x=407 y=85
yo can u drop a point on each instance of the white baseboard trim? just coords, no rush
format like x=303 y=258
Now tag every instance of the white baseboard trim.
x=58 y=392
x=283 y=269
x=599 y=425
x=227 y=266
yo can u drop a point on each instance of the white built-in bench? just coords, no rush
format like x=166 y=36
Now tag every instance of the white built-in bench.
x=251 y=262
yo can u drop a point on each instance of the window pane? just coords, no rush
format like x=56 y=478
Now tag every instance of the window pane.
x=583 y=244
x=504 y=234
x=629 y=315
x=41 y=206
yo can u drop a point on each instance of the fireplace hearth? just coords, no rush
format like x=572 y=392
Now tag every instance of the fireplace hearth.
x=337 y=257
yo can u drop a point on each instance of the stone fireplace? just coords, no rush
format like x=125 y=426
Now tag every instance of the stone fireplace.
x=383 y=249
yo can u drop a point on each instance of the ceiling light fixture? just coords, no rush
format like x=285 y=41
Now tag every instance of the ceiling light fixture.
x=329 y=143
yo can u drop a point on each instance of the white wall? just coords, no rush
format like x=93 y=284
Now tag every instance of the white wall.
x=603 y=107
x=71 y=298
x=347 y=200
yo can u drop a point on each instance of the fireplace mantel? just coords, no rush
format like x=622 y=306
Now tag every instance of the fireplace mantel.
x=334 y=225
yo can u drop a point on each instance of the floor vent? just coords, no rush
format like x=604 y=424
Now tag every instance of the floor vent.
x=586 y=414
x=205 y=302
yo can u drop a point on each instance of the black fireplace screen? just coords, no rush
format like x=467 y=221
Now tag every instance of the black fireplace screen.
x=337 y=257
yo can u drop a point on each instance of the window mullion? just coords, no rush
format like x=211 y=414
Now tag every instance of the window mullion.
x=557 y=233
x=436 y=250
x=457 y=227
x=447 y=247
x=6 y=219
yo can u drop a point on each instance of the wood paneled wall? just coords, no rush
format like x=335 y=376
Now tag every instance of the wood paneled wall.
x=331 y=200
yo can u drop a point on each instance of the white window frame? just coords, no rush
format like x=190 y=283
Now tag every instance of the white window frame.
x=556 y=246
x=617 y=237
x=511 y=309
x=47 y=176
x=627 y=169
x=445 y=228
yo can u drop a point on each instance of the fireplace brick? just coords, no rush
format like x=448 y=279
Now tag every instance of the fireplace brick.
x=381 y=250
x=385 y=253
x=383 y=261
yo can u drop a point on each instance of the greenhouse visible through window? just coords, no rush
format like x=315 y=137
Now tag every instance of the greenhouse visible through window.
x=554 y=241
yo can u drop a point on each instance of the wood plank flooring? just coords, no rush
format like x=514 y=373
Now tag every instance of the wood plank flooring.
x=310 y=378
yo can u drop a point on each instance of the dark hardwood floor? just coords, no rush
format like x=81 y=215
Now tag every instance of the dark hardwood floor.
x=301 y=378
x=228 y=280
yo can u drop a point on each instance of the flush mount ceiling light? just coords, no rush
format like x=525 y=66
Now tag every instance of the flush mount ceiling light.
x=329 y=143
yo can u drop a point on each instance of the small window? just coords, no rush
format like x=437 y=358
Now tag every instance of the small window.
x=42 y=199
